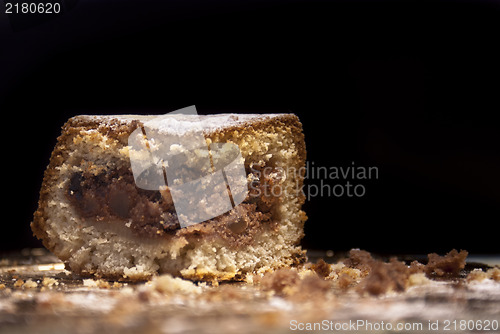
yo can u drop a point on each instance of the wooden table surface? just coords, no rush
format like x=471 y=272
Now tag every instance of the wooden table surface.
x=37 y=295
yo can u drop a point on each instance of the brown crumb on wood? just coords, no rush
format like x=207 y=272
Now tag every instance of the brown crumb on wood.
x=311 y=288
x=348 y=277
x=359 y=259
x=416 y=268
x=384 y=277
x=321 y=268
x=280 y=280
x=381 y=277
x=449 y=265
x=345 y=281
x=494 y=274
x=19 y=283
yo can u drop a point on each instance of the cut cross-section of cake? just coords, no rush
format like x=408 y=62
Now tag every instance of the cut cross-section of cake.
x=95 y=215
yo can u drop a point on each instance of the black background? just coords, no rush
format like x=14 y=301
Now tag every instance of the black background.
x=411 y=88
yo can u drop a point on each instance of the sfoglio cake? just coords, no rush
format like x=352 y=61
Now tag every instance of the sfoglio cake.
x=129 y=196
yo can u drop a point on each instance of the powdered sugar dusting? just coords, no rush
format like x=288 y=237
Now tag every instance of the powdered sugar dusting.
x=179 y=124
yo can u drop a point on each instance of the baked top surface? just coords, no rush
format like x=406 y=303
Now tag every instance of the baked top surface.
x=179 y=124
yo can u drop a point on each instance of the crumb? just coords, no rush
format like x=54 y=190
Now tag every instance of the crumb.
x=379 y=277
x=305 y=271
x=418 y=279
x=89 y=282
x=29 y=284
x=302 y=286
x=494 y=274
x=103 y=284
x=359 y=259
x=251 y=279
x=49 y=282
x=416 y=268
x=321 y=268
x=167 y=284
x=336 y=268
x=449 y=265
x=99 y=283
x=384 y=277
x=2 y=286
x=476 y=275
x=345 y=281
x=347 y=277
x=19 y=283
x=280 y=281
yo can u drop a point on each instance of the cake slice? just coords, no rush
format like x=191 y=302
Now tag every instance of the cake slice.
x=98 y=215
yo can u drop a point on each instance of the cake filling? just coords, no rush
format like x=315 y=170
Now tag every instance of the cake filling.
x=111 y=195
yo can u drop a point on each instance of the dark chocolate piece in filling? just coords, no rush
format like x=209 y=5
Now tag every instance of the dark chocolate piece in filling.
x=113 y=196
